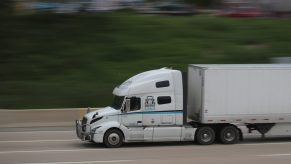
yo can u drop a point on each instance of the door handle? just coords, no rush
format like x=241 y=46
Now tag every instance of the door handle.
x=139 y=122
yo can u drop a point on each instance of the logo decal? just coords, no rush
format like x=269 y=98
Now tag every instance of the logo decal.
x=150 y=103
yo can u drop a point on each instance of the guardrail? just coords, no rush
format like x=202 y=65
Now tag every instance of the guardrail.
x=40 y=117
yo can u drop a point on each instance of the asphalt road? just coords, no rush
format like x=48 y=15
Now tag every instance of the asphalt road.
x=60 y=146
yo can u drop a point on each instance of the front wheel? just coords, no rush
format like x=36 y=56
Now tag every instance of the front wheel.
x=113 y=138
x=205 y=135
x=229 y=135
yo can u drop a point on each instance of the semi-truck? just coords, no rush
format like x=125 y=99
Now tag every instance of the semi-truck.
x=208 y=103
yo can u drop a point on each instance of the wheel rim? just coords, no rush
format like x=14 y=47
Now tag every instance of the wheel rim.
x=113 y=139
x=229 y=135
x=206 y=136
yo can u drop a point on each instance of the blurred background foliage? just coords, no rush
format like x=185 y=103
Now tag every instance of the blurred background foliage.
x=76 y=60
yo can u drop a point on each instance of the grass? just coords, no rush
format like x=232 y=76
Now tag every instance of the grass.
x=56 y=61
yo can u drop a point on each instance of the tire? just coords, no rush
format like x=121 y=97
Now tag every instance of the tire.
x=229 y=135
x=113 y=138
x=205 y=135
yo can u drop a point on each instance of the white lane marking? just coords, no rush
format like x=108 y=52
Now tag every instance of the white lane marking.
x=44 y=151
x=112 y=161
x=39 y=141
x=52 y=109
x=274 y=155
x=44 y=131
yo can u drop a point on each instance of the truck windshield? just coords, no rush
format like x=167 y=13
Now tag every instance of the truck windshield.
x=117 y=102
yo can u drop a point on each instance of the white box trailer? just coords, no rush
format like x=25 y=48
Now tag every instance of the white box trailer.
x=223 y=98
x=239 y=93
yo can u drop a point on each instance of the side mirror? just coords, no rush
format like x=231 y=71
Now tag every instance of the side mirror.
x=127 y=105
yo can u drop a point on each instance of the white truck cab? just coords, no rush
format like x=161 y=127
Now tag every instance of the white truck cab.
x=147 y=107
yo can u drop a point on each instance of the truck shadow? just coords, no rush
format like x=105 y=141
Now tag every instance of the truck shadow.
x=272 y=139
x=252 y=140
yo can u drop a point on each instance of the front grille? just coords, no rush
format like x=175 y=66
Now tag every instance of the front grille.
x=84 y=122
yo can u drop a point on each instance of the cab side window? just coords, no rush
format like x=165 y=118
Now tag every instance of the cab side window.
x=164 y=100
x=134 y=103
x=162 y=84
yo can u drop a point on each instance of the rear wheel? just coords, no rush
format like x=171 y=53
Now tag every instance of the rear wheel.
x=113 y=138
x=229 y=135
x=205 y=135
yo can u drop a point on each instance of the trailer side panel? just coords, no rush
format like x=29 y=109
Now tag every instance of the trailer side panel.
x=244 y=94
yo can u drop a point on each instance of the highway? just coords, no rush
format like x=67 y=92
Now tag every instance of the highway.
x=60 y=146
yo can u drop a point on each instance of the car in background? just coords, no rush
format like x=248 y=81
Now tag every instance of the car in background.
x=168 y=8
x=242 y=9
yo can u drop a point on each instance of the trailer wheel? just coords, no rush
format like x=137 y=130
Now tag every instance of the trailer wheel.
x=229 y=135
x=205 y=135
x=113 y=138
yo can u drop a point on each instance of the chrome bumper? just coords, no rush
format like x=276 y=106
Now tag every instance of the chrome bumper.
x=83 y=135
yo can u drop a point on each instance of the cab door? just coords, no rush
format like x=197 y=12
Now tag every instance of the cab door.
x=131 y=117
x=132 y=114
